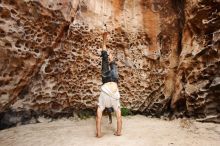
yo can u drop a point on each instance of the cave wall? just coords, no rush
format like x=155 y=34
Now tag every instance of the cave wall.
x=167 y=54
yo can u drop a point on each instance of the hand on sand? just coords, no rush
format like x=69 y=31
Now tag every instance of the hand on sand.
x=98 y=135
x=117 y=134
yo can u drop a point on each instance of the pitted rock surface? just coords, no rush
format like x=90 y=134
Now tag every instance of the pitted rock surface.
x=167 y=54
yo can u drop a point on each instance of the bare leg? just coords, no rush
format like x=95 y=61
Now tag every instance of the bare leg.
x=119 y=122
x=98 y=122
x=104 y=40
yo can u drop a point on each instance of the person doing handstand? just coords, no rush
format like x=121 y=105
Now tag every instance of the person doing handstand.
x=109 y=97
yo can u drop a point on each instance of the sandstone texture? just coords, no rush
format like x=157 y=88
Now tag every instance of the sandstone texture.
x=167 y=51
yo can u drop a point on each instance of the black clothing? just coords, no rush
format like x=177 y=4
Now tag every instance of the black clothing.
x=109 y=71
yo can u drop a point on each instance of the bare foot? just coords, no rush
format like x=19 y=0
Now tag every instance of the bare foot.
x=110 y=57
x=117 y=134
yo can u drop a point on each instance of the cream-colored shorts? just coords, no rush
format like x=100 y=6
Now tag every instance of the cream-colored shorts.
x=106 y=101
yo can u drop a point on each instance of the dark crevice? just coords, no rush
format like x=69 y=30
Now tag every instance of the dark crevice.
x=179 y=6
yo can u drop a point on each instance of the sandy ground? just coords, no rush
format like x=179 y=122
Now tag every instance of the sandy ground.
x=137 y=131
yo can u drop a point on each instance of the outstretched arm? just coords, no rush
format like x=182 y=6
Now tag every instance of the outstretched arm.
x=98 y=122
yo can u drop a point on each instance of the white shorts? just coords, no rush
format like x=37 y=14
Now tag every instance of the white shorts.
x=106 y=101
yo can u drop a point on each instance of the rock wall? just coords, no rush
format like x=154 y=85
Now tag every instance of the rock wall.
x=167 y=54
